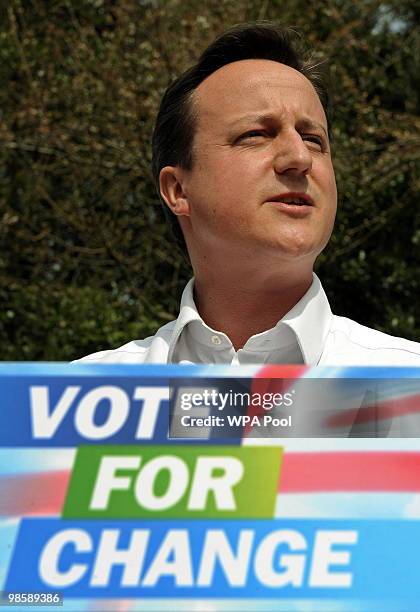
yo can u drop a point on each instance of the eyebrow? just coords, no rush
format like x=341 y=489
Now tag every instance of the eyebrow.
x=304 y=123
x=307 y=123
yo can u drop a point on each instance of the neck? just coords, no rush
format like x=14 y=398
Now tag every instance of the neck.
x=243 y=304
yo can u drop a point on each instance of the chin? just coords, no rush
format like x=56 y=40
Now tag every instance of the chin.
x=295 y=249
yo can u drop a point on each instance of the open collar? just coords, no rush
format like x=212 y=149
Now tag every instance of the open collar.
x=310 y=320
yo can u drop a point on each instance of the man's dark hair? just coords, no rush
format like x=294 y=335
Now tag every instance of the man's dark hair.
x=173 y=135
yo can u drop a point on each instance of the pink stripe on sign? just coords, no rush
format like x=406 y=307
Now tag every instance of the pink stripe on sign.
x=35 y=493
x=115 y=605
x=44 y=493
x=350 y=471
x=280 y=371
x=387 y=409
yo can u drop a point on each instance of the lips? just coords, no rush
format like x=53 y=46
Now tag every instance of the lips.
x=292 y=198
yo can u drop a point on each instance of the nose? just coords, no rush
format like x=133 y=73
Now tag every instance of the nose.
x=292 y=155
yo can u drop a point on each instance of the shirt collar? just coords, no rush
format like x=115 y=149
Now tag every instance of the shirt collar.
x=188 y=312
x=310 y=320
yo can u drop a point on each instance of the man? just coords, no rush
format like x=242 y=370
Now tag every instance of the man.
x=242 y=161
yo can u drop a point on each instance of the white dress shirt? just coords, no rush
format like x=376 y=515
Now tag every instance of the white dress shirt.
x=308 y=334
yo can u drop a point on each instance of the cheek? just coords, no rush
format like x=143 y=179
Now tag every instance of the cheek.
x=326 y=179
x=330 y=176
x=229 y=184
x=333 y=185
x=234 y=164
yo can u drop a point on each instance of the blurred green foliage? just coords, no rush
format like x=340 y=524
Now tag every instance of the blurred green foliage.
x=86 y=260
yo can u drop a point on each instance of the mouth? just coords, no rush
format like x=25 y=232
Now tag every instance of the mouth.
x=295 y=205
x=293 y=199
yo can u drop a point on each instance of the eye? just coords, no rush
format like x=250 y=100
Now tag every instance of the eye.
x=252 y=134
x=313 y=138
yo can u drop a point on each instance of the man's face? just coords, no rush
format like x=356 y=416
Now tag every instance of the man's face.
x=260 y=142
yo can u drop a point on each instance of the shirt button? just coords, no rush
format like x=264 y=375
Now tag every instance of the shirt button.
x=216 y=340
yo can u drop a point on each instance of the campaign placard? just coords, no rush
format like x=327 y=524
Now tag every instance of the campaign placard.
x=102 y=502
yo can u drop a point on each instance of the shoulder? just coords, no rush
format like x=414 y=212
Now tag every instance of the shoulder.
x=153 y=349
x=357 y=344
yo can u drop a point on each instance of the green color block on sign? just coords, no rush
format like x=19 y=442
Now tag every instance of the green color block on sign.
x=174 y=482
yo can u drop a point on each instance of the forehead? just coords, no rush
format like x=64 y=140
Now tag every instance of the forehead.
x=255 y=86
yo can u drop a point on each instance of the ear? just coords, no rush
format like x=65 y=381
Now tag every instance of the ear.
x=171 y=189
